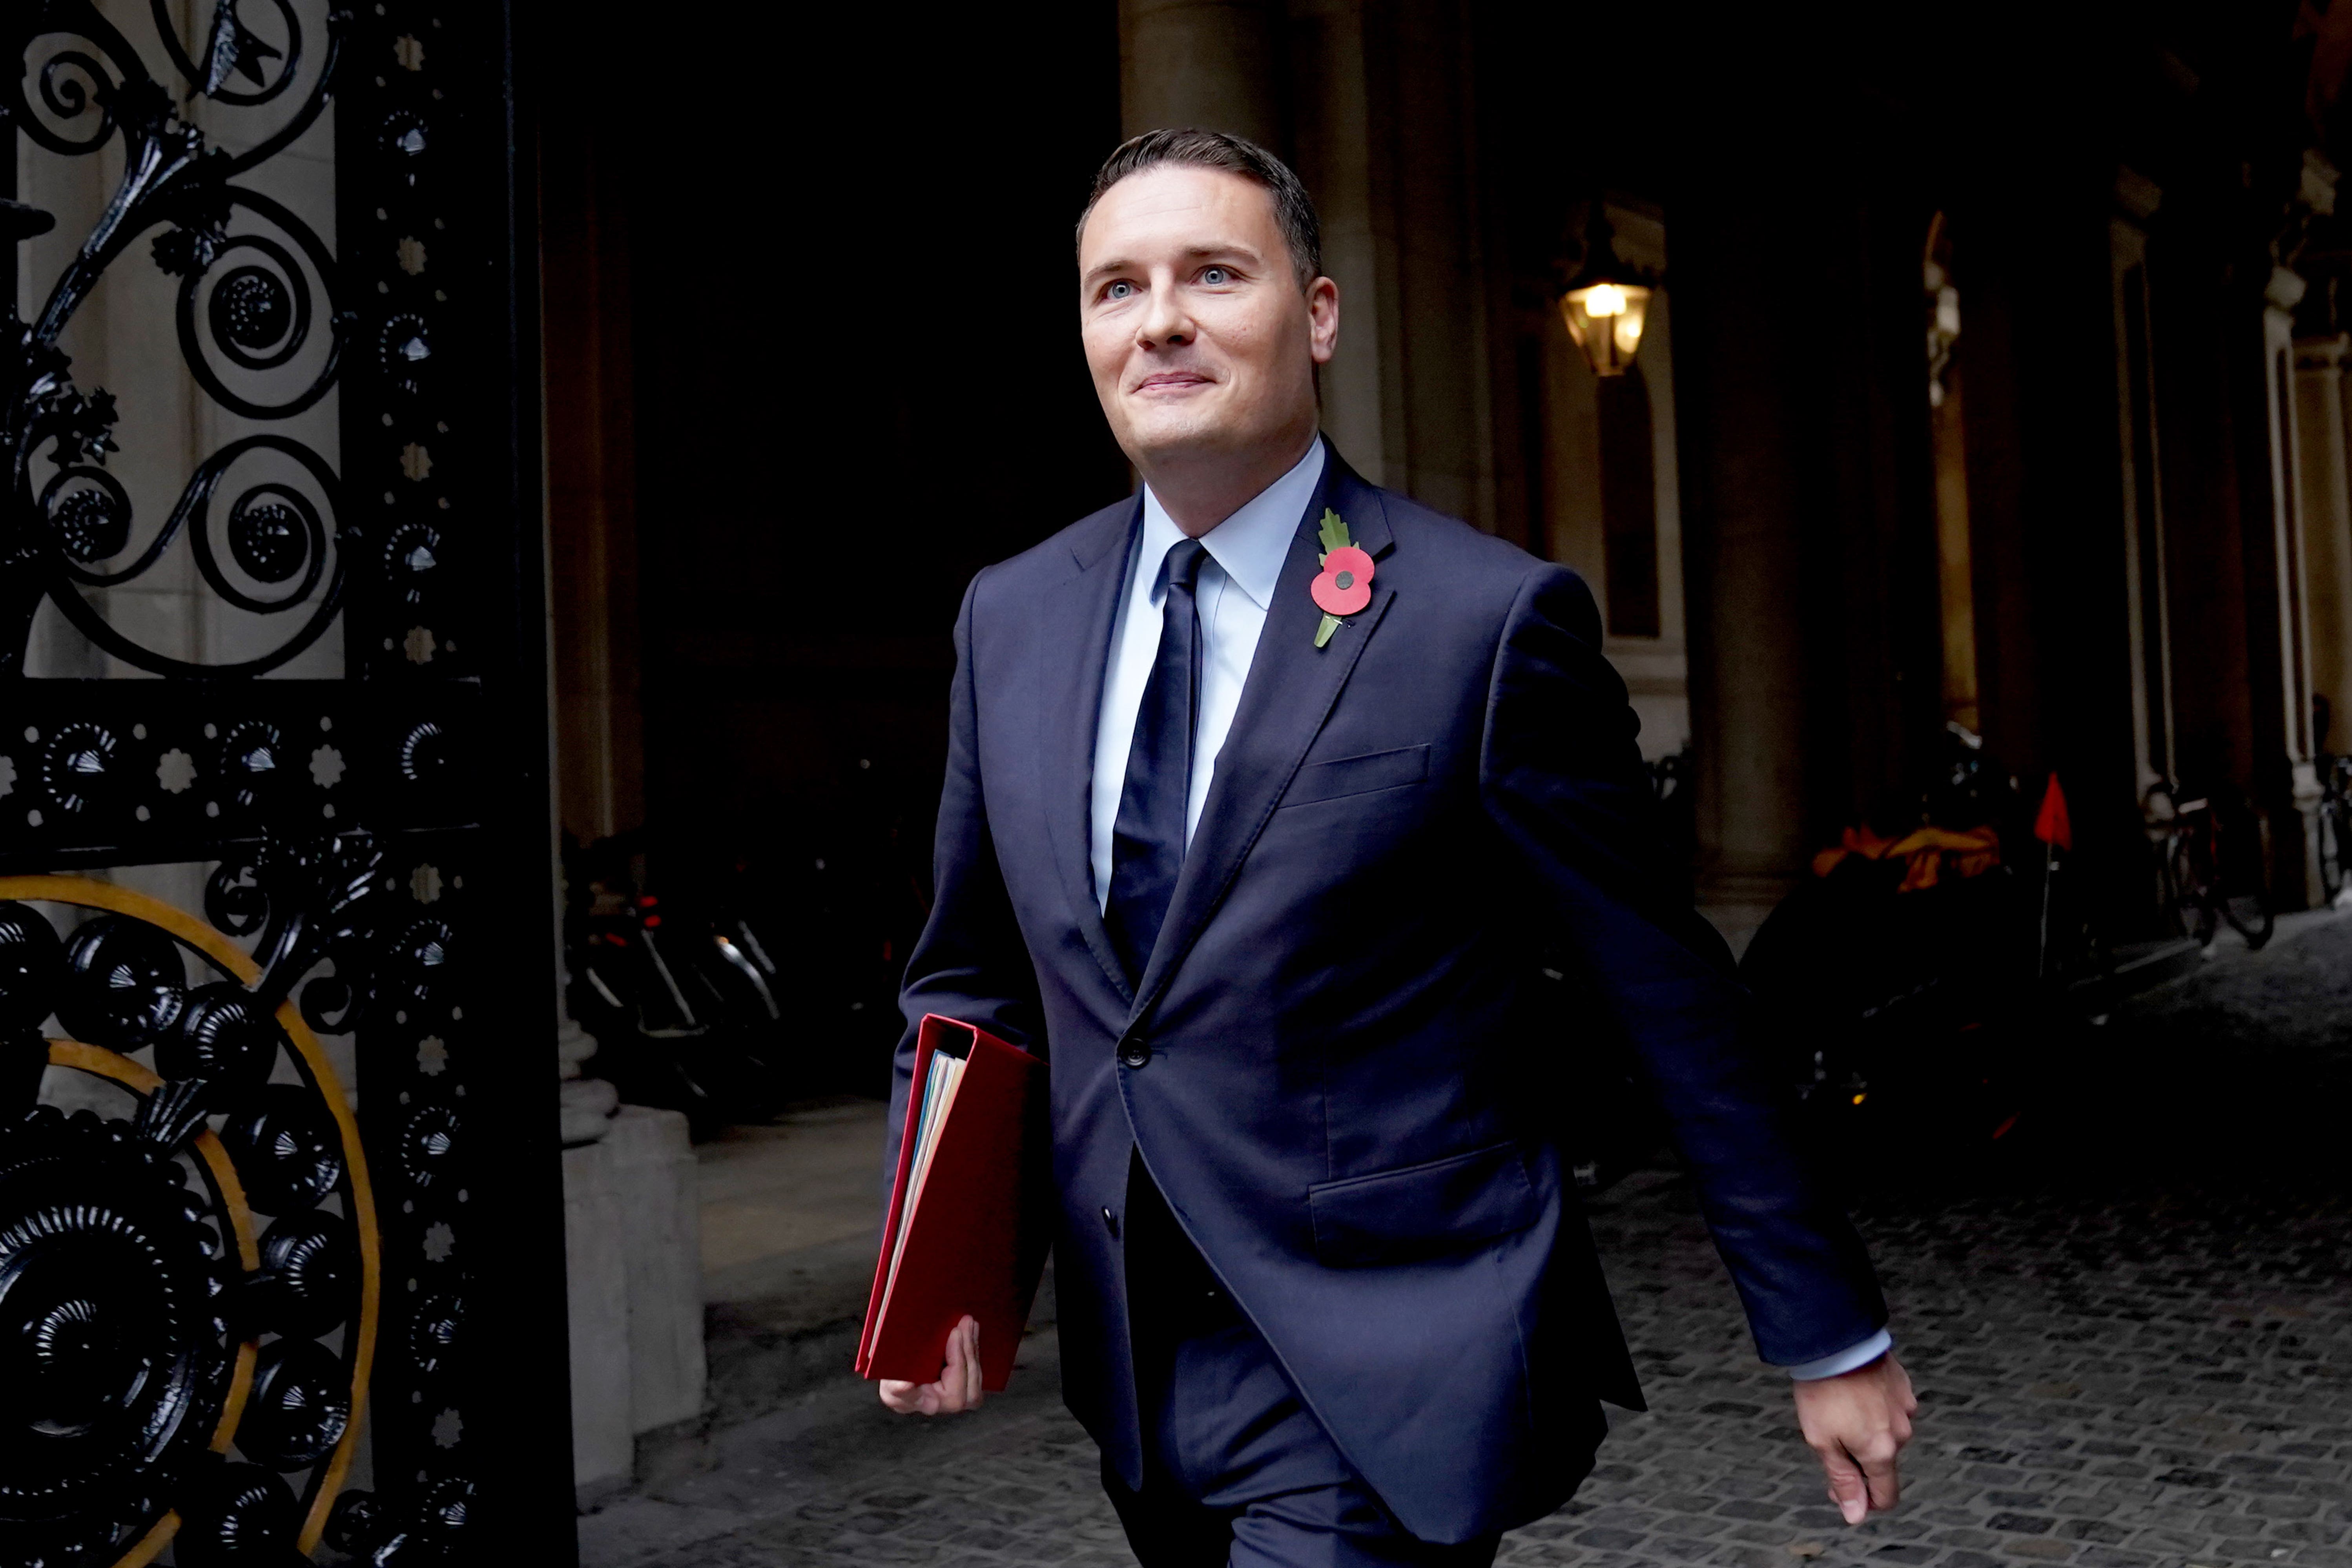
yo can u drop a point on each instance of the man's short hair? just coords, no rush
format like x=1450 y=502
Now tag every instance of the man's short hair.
x=1293 y=212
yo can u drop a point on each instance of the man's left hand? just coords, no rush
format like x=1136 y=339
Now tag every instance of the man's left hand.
x=1857 y=1422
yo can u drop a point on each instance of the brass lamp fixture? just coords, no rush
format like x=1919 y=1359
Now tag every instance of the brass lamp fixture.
x=1607 y=303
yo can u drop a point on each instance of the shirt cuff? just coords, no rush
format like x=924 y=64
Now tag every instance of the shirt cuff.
x=1846 y=1360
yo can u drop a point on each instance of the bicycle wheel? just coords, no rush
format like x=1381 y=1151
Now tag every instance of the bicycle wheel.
x=2236 y=880
x=2193 y=897
x=2250 y=915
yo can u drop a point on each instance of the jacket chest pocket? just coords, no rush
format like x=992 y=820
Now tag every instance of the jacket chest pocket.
x=1343 y=777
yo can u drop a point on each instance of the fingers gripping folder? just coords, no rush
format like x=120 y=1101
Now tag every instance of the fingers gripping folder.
x=969 y=1221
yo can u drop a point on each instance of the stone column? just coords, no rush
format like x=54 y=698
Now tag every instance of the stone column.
x=1303 y=86
x=1742 y=550
x=2322 y=411
x=630 y=1189
x=1328 y=85
x=632 y=1228
x=1213 y=64
x=2147 y=610
x=2296 y=869
x=604 y=1442
x=1344 y=167
x=1748 y=730
x=1410 y=397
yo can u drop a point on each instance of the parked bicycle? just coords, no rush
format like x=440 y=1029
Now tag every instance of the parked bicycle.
x=2336 y=827
x=2210 y=859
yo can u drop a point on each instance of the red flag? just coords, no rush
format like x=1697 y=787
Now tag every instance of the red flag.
x=2050 y=824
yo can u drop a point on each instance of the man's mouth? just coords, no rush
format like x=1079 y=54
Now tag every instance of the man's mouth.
x=1171 y=381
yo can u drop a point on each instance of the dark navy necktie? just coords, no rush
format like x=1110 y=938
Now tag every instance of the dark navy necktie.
x=1147 y=845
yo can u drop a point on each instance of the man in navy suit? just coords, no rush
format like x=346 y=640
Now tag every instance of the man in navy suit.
x=1269 y=792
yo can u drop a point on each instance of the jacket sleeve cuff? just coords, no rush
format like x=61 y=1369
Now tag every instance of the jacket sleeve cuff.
x=1846 y=1360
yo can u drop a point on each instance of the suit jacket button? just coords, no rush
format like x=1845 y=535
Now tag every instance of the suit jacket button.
x=1134 y=1054
x=1111 y=1224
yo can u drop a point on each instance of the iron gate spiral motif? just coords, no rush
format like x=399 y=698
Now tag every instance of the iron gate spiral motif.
x=135 y=1302
x=265 y=290
x=223 y=1299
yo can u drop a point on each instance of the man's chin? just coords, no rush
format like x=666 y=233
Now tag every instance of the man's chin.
x=1165 y=440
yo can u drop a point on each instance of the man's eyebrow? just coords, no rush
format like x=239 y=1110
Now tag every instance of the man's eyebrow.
x=1230 y=247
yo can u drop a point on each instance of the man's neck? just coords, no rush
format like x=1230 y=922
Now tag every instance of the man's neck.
x=1199 y=494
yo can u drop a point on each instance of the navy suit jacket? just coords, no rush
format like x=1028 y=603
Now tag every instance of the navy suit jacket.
x=1350 y=1097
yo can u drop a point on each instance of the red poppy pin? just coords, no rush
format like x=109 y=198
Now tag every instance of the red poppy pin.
x=1345 y=584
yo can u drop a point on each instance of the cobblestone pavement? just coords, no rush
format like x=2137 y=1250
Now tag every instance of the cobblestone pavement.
x=2127 y=1359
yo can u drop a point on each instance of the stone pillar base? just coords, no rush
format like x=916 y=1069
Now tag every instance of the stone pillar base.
x=1737 y=904
x=632 y=1213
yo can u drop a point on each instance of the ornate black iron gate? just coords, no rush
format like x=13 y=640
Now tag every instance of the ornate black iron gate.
x=280 y=1248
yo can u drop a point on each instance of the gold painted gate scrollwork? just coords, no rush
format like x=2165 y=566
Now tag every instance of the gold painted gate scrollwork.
x=280 y=1248
x=137 y=1282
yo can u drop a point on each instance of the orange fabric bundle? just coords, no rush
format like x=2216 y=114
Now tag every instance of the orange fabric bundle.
x=1973 y=853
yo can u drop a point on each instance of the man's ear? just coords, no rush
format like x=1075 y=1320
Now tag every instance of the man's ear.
x=1323 y=318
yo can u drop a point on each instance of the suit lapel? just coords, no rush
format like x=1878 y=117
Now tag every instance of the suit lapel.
x=1072 y=652
x=1291 y=686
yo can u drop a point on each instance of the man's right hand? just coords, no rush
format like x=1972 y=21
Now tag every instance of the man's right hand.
x=1858 y=1421
x=957 y=1389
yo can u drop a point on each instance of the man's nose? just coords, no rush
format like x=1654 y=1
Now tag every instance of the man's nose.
x=1166 y=324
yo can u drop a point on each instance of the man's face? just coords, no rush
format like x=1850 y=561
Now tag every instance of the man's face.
x=1200 y=339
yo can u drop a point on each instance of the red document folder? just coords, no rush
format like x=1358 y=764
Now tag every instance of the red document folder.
x=967 y=1229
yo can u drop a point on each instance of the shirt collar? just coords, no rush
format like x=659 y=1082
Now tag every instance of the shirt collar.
x=1252 y=545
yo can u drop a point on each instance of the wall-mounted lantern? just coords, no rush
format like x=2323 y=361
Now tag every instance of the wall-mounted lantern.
x=1606 y=304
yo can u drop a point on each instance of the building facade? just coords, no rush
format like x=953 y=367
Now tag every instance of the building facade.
x=1993 y=384
x=1985 y=386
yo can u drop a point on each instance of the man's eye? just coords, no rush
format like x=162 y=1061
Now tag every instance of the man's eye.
x=1216 y=276
x=1119 y=291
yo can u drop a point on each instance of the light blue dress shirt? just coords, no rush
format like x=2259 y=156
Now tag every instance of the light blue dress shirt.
x=1235 y=589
